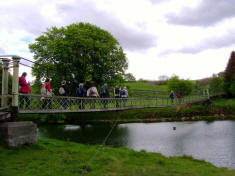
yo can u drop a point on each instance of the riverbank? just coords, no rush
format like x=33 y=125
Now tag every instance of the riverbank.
x=217 y=109
x=55 y=157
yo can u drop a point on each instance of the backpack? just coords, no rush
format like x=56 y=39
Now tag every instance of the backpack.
x=79 y=92
x=61 y=91
x=43 y=91
x=92 y=92
x=124 y=93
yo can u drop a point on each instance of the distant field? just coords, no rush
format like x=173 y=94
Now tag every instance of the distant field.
x=145 y=86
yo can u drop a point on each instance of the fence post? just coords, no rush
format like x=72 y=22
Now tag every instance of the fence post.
x=15 y=86
x=5 y=67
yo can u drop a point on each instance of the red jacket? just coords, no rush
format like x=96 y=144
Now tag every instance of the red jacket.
x=24 y=86
x=47 y=85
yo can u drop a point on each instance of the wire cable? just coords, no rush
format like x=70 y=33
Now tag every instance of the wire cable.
x=99 y=148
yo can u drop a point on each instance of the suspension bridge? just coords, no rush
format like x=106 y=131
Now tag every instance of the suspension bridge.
x=10 y=105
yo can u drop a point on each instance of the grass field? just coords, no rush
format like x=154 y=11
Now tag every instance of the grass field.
x=59 y=158
x=145 y=86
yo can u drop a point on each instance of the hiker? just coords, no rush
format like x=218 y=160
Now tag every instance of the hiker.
x=81 y=92
x=124 y=95
x=64 y=91
x=172 y=96
x=46 y=92
x=92 y=93
x=24 y=89
x=178 y=97
x=104 y=93
x=117 y=96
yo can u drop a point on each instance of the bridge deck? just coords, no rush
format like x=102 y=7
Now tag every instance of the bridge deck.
x=51 y=111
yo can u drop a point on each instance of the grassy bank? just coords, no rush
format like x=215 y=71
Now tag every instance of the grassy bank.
x=53 y=157
x=217 y=110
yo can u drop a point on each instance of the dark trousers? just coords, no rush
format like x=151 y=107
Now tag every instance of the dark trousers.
x=24 y=99
x=92 y=102
x=81 y=104
x=65 y=103
x=105 y=102
x=46 y=102
x=117 y=101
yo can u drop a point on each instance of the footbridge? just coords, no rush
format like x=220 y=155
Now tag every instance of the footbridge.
x=11 y=105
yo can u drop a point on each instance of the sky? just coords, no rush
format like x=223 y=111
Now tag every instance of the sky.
x=189 y=38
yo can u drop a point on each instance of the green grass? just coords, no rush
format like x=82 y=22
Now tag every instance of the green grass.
x=223 y=102
x=145 y=86
x=58 y=158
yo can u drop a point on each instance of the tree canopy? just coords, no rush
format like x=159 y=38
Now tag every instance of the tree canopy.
x=216 y=84
x=184 y=87
x=229 y=76
x=79 y=52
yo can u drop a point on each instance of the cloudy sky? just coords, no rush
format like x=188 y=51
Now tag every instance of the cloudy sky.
x=190 y=38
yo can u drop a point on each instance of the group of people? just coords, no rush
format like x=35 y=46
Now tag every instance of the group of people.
x=92 y=92
x=172 y=96
x=104 y=93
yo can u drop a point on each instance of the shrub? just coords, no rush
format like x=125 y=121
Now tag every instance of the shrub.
x=185 y=87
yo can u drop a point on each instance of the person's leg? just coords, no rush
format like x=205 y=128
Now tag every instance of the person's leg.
x=49 y=103
x=43 y=103
x=65 y=103
x=21 y=101
x=93 y=103
x=27 y=100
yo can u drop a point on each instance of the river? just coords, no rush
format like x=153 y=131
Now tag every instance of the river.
x=210 y=141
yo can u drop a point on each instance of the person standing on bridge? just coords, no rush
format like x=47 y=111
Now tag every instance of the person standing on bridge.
x=64 y=91
x=124 y=95
x=104 y=93
x=93 y=93
x=178 y=97
x=47 y=92
x=81 y=92
x=117 y=95
x=24 y=89
x=172 y=96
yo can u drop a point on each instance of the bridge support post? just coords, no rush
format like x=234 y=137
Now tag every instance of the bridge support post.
x=5 y=67
x=15 y=87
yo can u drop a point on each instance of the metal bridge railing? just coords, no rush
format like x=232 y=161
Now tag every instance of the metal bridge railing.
x=6 y=101
x=38 y=104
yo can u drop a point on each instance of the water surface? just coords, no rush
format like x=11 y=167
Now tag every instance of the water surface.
x=211 y=141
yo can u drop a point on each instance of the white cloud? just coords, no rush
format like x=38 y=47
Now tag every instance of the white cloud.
x=208 y=12
x=197 y=46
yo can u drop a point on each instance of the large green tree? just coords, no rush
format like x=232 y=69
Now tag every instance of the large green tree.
x=79 y=52
x=229 y=76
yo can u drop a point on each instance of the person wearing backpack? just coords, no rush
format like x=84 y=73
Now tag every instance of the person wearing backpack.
x=124 y=95
x=104 y=93
x=117 y=95
x=92 y=92
x=81 y=92
x=46 y=94
x=64 y=91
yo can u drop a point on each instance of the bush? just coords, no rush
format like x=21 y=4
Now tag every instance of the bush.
x=216 y=84
x=185 y=87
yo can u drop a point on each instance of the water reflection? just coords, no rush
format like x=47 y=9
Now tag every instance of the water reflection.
x=214 y=142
